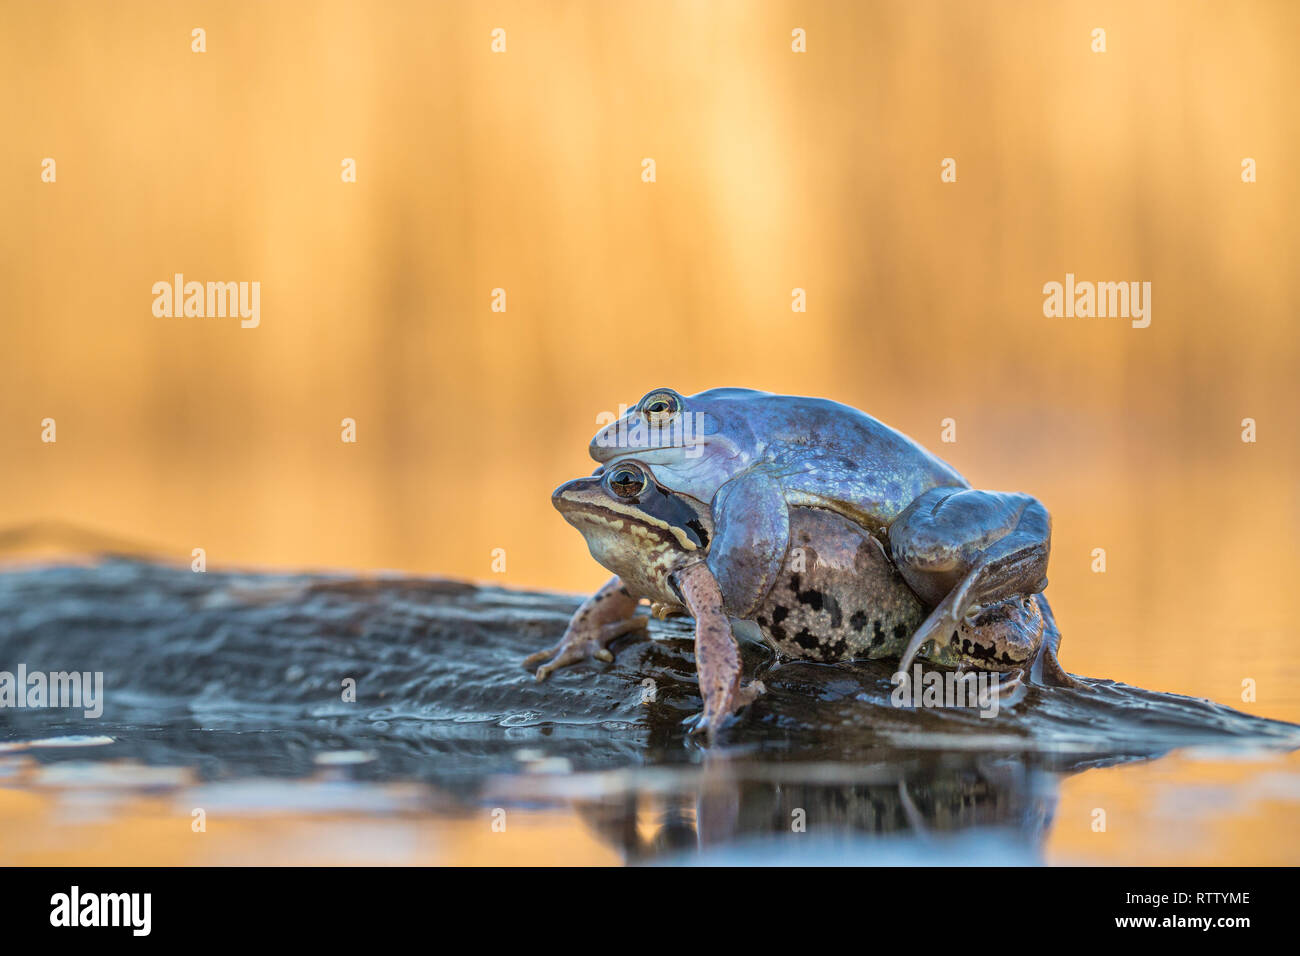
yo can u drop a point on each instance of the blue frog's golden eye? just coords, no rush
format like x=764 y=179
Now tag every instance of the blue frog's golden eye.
x=626 y=481
x=660 y=407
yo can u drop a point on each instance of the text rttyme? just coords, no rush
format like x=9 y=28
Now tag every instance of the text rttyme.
x=79 y=690
x=636 y=431
x=1102 y=300
x=211 y=300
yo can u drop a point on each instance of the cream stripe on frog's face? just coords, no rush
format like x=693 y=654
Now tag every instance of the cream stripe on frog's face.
x=636 y=529
x=625 y=499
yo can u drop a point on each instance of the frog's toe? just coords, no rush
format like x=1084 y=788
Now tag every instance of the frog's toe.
x=614 y=629
x=576 y=649
x=570 y=654
x=662 y=611
x=537 y=657
x=715 y=717
x=931 y=630
x=707 y=725
x=750 y=693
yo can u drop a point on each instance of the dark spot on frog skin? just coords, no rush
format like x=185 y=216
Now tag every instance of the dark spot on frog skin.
x=858 y=621
x=779 y=614
x=986 y=652
x=878 y=634
x=812 y=597
x=805 y=640
x=832 y=607
x=900 y=631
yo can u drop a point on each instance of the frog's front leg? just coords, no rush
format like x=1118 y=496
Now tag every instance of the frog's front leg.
x=960 y=548
x=717 y=655
x=750 y=539
x=606 y=615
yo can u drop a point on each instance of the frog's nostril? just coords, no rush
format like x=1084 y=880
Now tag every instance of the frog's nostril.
x=569 y=492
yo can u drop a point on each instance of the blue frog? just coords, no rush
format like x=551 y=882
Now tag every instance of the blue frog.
x=755 y=456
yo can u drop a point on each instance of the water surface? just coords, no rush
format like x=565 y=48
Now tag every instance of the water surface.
x=224 y=693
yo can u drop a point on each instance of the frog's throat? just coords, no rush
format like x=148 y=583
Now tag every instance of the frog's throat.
x=619 y=519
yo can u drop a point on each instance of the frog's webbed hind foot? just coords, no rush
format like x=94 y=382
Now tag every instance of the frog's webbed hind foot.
x=961 y=548
x=711 y=723
x=605 y=616
x=574 y=650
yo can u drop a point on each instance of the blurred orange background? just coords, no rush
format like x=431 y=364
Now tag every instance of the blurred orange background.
x=775 y=170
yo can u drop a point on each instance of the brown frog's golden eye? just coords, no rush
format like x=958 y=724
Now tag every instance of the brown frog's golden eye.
x=626 y=481
x=660 y=407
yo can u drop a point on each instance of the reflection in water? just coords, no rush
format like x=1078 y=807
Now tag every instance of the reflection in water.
x=935 y=808
x=223 y=691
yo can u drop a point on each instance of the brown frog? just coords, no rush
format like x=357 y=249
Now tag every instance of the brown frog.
x=836 y=596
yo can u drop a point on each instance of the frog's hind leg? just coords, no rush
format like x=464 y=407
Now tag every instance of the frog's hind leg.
x=961 y=548
x=606 y=615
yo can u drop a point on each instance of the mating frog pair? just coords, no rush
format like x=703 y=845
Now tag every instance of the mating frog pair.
x=810 y=525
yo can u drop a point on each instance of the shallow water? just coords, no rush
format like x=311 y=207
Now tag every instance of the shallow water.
x=223 y=694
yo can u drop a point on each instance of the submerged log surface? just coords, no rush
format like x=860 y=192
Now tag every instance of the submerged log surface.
x=240 y=672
